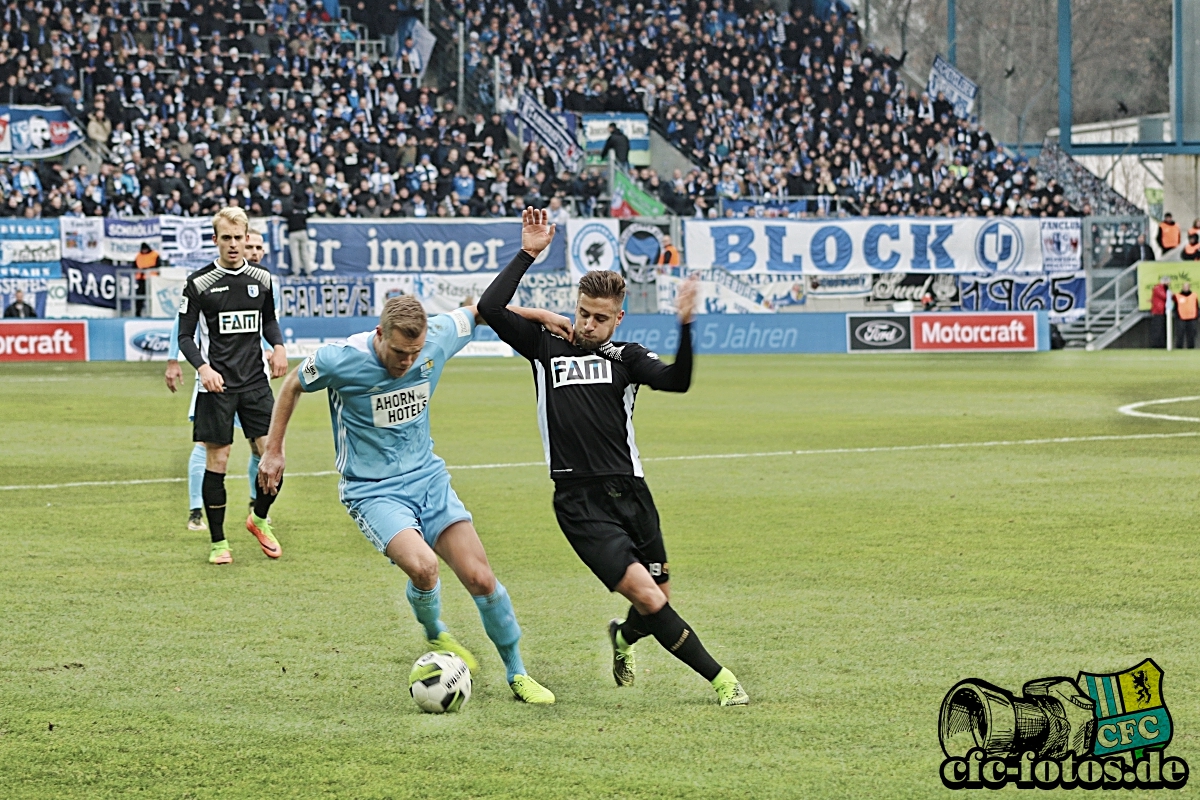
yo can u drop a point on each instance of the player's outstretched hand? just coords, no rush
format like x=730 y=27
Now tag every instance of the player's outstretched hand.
x=270 y=471
x=536 y=230
x=279 y=363
x=685 y=300
x=212 y=380
x=174 y=376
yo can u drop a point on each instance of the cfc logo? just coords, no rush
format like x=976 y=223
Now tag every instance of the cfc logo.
x=1097 y=731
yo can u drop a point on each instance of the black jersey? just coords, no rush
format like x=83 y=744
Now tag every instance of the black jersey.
x=229 y=310
x=585 y=398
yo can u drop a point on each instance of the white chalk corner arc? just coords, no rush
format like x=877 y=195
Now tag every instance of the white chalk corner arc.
x=1134 y=409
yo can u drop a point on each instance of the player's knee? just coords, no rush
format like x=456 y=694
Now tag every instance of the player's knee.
x=648 y=600
x=423 y=573
x=479 y=581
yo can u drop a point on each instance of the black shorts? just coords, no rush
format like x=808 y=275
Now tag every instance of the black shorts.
x=612 y=523
x=213 y=418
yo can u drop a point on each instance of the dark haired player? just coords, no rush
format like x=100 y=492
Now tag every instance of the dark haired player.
x=585 y=396
x=232 y=305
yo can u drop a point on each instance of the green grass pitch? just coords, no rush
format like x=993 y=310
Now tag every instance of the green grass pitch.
x=848 y=591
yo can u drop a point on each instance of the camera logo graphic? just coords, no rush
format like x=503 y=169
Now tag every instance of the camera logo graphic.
x=1097 y=731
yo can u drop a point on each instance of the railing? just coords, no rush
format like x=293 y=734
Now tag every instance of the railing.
x=813 y=205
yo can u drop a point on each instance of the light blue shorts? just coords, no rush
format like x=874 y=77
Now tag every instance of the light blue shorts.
x=426 y=503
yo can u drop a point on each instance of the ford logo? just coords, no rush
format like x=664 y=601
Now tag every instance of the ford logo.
x=879 y=333
x=153 y=342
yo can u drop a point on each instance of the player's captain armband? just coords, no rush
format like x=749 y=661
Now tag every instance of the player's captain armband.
x=183 y=305
x=462 y=323
x=309 y=369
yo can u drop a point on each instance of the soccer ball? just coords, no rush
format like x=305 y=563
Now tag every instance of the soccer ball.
x=440 y=682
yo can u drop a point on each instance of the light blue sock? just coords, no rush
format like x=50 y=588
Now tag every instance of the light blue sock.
x=427 y=608
x=252 y=471
x=196 y=476
x=500 y=623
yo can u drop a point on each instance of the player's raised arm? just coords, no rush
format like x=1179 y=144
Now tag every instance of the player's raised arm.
x=555 y=323
x=522 y=334
x=675 y=377
x=272 y=462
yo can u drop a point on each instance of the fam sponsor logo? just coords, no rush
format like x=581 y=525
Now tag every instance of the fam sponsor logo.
x=580 y=370
x=230 y=322
x=399 y=407
x=1098 y=731
x=43 y=341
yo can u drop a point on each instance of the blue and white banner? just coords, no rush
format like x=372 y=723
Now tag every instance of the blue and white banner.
x=124 y=237
x=958 y=88
x=34 y=132
x=550 y=132
x=724 y=292
x=1063 y=296
x=958 y=245
x=30 y=248
x=553 y=291
x=82 y=238
x=33 y=291
x=327 y=297
x=376 y=247
x=187 y=241
x=1062 y=244
x=93 y=284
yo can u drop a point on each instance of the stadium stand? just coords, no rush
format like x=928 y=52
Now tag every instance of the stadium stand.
x=191 y=106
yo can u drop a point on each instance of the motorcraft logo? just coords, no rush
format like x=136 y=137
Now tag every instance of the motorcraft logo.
x=880 y=332
x=1098 y=731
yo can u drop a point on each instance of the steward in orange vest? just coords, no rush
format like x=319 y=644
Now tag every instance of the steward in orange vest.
x=1187 y=307
x=1168 y=234
x=1191 y=250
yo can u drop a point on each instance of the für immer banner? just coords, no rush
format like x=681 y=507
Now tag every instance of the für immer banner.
x=980 y=245
x=370 y=247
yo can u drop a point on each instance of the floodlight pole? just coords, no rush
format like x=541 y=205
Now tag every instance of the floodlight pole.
x=1177 y=72
x=1064 y=75
x=952 y=31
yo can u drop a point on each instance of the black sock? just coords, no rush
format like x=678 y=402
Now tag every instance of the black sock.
x=263 y=500
x=681 y=641
x=634 y=627
x=213 y=492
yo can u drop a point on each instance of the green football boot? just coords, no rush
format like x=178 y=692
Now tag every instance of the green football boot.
x=623 y=669
x=220 y=554
x=729 y=689
x=527 y=690
x=446 y=642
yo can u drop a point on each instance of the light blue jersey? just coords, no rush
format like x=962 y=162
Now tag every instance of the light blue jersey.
x=381 y=423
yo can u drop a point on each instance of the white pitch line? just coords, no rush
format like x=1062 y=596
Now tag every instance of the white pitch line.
x=702 y=457
x=1131 y=410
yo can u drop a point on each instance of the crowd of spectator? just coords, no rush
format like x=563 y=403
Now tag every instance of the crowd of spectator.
x=271 y=106
x=275 y=105
x=766 y=104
